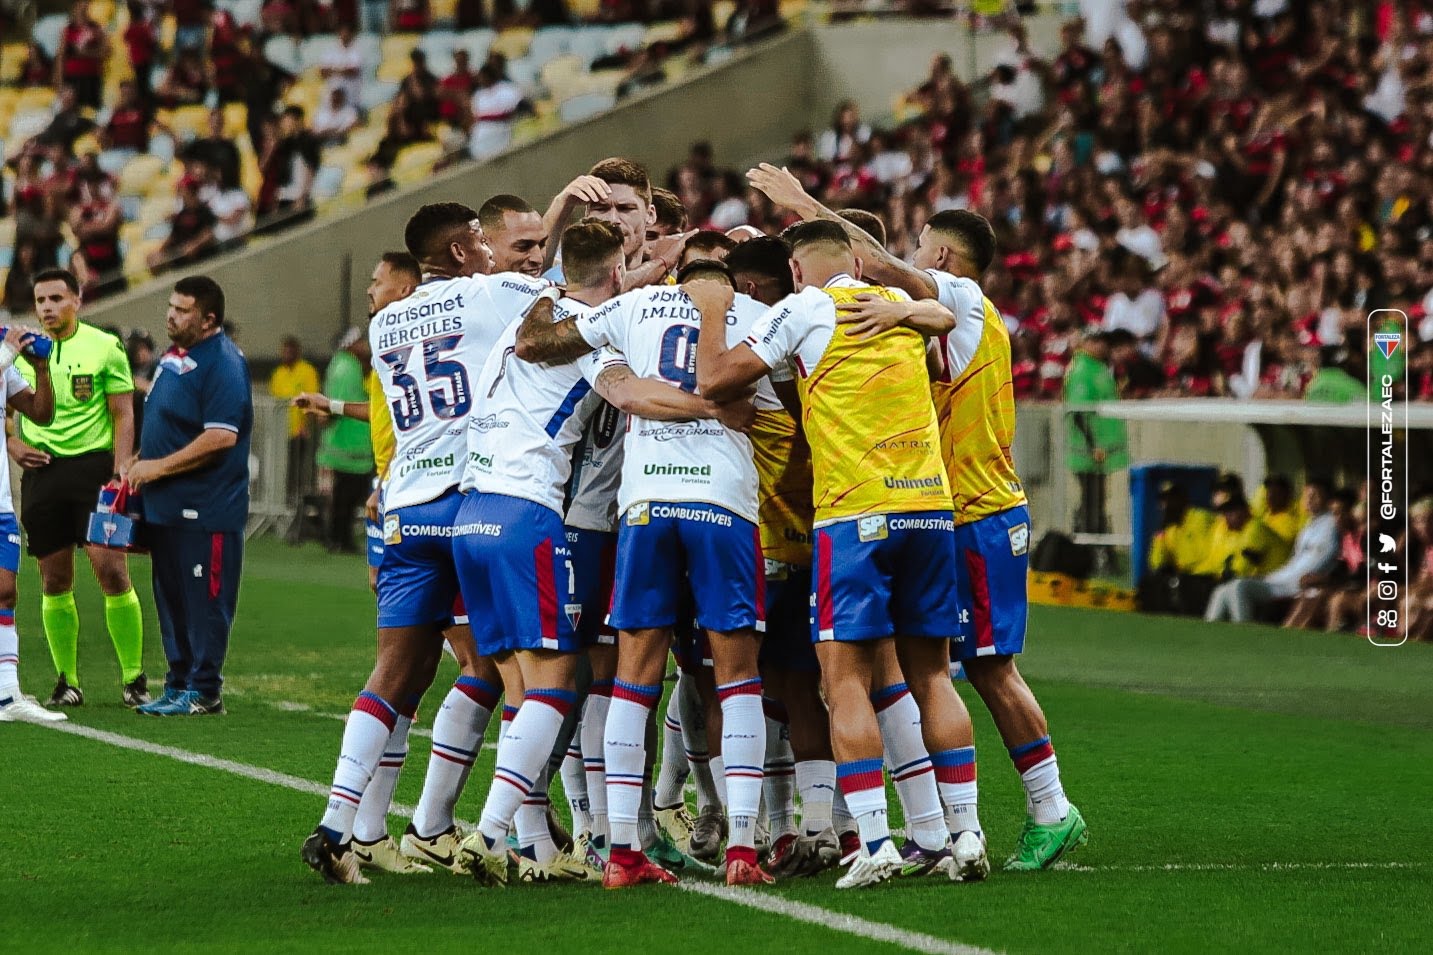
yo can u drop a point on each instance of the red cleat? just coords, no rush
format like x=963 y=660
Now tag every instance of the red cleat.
x=741 y=872
x=618 y=876
x=850 y=846
x=780 y=849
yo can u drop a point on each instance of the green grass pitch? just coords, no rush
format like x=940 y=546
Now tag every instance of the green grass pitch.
x=1247 y=789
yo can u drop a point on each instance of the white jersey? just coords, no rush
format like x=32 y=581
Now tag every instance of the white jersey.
x=532 y=415
x=599 y=472
x=427 y=351
x=14 y=384
x=966 y=302
x=700 y=461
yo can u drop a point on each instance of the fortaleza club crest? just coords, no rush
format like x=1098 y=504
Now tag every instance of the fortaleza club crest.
x=1387 y=342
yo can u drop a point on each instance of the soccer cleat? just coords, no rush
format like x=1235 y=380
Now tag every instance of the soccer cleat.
x=66 y=695
x=708 y=834
x=669 y=857
x=741 y=872
x=583 y=847
x=166 y=699
x=677 y=822
x=566 y=867
x=917 y=862
x=336 y=863
x=850 y=844
x=969 y=863
x=136 y=692
x=488 y=865
x=617 y=876
x=443 y=850
x=868 y=869
x=804 y=855
x=22 y=709
x=1042 y=846
x=385 y=856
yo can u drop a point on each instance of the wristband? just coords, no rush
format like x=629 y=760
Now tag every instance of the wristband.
x=335 y=407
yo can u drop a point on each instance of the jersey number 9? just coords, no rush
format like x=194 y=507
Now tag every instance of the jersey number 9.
x=678 y=360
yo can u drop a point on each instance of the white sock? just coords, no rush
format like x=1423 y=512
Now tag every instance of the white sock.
x=522 y=757
x=9 y=654
x=864 y=786
x=1040 y=773
x=370 y=723
x=371 y=822
x=594 y=725
x=533 y=836
x=816 y=781
x=841 y=819
x=694 y=740
x=624 y=745
x=673 y=771
x=910 y=764
x=574 y=785
x=457 y=735
x=743 y=749
x=778 y=784
x=509 y=714
x=955 y=775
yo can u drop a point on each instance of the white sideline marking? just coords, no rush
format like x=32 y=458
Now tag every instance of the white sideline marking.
x=772 y=904
x=1233 y=866
x=288 y=706
x=836 y=921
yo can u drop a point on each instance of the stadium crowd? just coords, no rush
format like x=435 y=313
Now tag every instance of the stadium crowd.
x=1224 y=189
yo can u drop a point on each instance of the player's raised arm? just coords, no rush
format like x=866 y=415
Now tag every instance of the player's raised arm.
x=540 y=339
x=870 y=315
x=877 y=264
x=580 y=191
x=722 y=373
x=661 y=401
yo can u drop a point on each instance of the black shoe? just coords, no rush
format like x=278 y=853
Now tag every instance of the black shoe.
x=136 y=691
x=337 y=864
x=66 y=695
x=206 y=706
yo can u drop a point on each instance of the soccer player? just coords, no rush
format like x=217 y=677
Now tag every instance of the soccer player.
x=89 y=442
x=885 y=544
x=977 y=414
x=427 y=349
x=706 y=244
x=516 y=234
x=687 y=489
x=510 y=545
x=37 y=404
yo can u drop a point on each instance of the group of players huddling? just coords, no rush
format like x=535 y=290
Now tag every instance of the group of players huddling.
x=786 y=460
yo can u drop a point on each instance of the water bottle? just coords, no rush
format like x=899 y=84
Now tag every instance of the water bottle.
x=39 y=345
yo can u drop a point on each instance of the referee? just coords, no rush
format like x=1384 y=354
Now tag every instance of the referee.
x=66 y=463
x=193 y=472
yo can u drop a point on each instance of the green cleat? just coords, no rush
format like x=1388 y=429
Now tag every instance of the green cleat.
x=1042 y=846
x=665 y=854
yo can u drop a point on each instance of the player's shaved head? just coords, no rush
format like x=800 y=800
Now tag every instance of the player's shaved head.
x=516 y=234
x=403 y=266
x=706 y=245
x=445 y=238
x=491 y=213
x=868 y=222
x=820 y=250
x=957 y=241
x=591 y=250
x=705 y=270
x=762 y=269
x=671 y=213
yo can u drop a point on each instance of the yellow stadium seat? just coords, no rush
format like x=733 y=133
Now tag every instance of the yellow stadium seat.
x=587 y=9
x=513 y=43
x=236 y=120
x=444 y=11
x=155 y=209
x=397 y=46
x=12 y=57
x=7 y=234
x=662 y=33
x=415 y=163
x=40 y=98
x=250 y=176
x=167 y=29
x=102 y=12
x=722 y=11
x=137 y=175
x=393 y=69
x=189 y=121
x=88 y=143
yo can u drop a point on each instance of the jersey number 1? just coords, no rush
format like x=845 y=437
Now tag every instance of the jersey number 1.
x=449 y=393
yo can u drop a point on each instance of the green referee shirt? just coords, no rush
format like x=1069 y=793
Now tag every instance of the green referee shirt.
x=86 y=369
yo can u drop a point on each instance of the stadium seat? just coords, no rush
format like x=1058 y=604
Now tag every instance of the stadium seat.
x=328 y=181
x=102 y=12
x=12 y=57
x=136 y=176
x=626 y=36
x=283 y=52
x=513 y=43
x=188 y=122
x=477 y=43
x=585 y=105
x=550 y=42
x=415 y=163
x=377 y=92
x=315 y=48
x=7 y=258
x=444 y=11
x=662 y=33
x=47 y=30
x=524 y=73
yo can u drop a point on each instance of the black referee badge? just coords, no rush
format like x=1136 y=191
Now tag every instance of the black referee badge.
x=82 y=387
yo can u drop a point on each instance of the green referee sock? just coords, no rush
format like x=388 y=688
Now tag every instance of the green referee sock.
x=126 y=631
x=62 y=631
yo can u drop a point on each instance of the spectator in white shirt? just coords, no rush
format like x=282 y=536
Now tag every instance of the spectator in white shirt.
x=838 y=143
x=1316 y=549
x=342 y=67
x=233 y=212
x=495 y=103
x=336 y=118
x=1137 y=307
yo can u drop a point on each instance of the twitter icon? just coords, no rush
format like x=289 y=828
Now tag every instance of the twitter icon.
x=1386 y=544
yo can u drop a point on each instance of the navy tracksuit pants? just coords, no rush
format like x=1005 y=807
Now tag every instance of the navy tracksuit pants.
x=196 y=590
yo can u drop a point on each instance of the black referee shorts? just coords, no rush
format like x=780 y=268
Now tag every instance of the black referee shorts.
x=56 y=501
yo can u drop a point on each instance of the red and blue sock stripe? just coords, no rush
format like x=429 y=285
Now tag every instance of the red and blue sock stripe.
x=478 y=690
x=376 y=707
x=888 y=696
x=954 y=765
x=1029 y=755
x=561 y=700
x=859 y=775
x=643 y=694
x=751 y=687
x=911 y=770
x=600 y=688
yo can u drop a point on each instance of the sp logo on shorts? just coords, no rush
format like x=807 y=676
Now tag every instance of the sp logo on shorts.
x=574 y=614
x=1019 y=540
x=872 y=528
x=776 y=570
x=82 y=387
x=392 y=532
x=638 y=514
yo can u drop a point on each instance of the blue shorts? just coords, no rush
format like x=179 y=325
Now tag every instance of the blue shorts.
x=663 y=545
x=516 y=575
x=416 y=581
x=9 y=543
x=884 y=575
x=375 y=542
x=991 y=567
x=594 y=559
x=787 y=644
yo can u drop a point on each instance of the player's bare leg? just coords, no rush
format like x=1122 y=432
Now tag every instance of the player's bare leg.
x=743 y=747
x=1053 y=826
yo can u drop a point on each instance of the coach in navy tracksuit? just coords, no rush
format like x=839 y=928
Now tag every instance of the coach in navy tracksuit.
x=193 y=471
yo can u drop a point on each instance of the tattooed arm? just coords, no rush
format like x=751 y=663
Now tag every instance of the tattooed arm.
x=540 y=339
